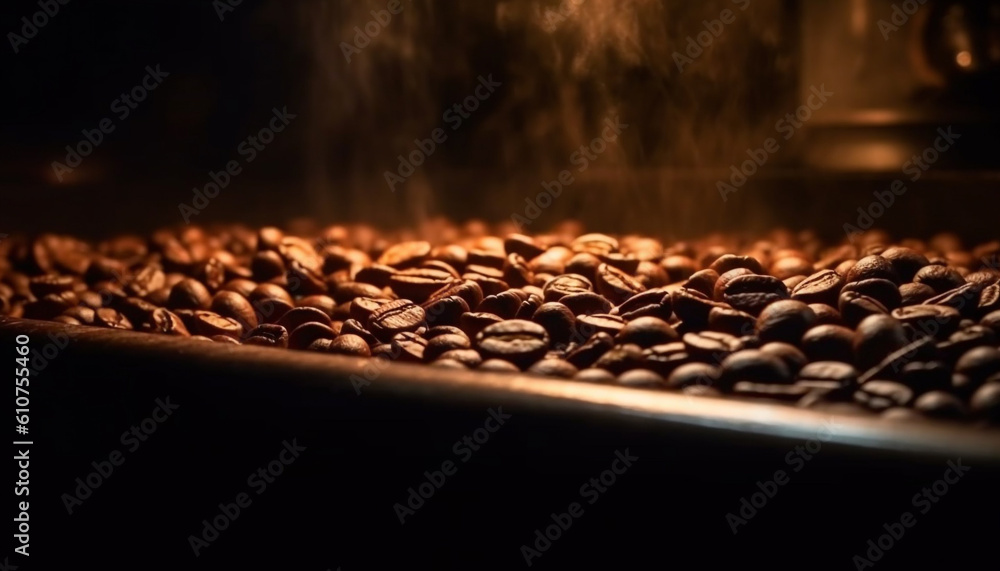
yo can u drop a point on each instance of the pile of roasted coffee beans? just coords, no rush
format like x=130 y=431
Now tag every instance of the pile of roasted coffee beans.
x=904 y=331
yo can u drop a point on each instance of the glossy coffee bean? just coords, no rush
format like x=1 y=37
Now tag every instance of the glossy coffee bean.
x=409 y=347
x=499 y=366
x=646 y=332
x=693 y=374
x=914 y=293
x=401 y=315
x=829 y=343
x=754 y=366
x=793 y=358
x=829 y=371
x=567 y=284
x=785 y=320
x=267 y=335
x=189 y=294
x=441 y=344
x=939 y=278
x=729 y=262
x=882 y=395
x=211 y=324
x=592 y=349
x=704 y=281
x=905 y=261
x=305 y=334
x=518 y=341
x=591 y=375
x=941 y=405
x=924 y=376
x=855 y=307
x=822 y=287
x=752 y=293
x=641 y=379
x=270 y=302
x=107 y=317
x=985 y=403
x=553 y=368
x=932 y=320
x=351 y=345
x=875 y=338
x=233 y=305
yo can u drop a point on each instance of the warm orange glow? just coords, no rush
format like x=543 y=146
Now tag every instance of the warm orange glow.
x=964 y=58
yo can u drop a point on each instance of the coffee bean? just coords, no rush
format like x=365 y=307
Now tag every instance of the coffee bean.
x=490 y=280
x=755 y=366
x=164 y=322
x=599 y=322
x=144 y=281
x=942 y=405
x=51 y=284
x=872 y=267
x=441 y=344
x=528 y=307
x=752 y=293
x=564 y=285
x=85 y=315
x=793 y=358
x=401 y=315
x=881 y=290
x=830 y=371
x=233 y=305
x=731 y=321
x=876 y=337
x=771 y=391
x=107 y=317
x=210 y=324
x=522 y=245
x=587 y=354
x=616 y=285
x=964 y=299
x=468 y=357
x=267 y=265
x=923 y=376
x=597 y=376
x=730 y=262
x=983 y=279
x=785 y=320
x=409 y=346
x=646 y=332
x=822 y=287
x=405 y=255
x=50 y=305
x=553 y=368
x=939 y=278
x=419 y=284
x=445 y=311
x=985 y=402
x=965 y=339
x=704 y=281
x=922 y=349
x=267 y=335
x=905 y=261
x=710 y=346
x=298 y=316
x=504 y=304
x=468 y=290
x=882 y=395
x=665 y=358
x=693 y=374
x=854 y=307
x=934 y=320
x=641 y=379
x=977 y=365
x=499 y=366
x=241 y=286
x=620 y=358
x=586 y=303
x=518 y=341
x=377 y=275
x=351 y=345
x=473 y=323
x=829 y=343
x=692 y=306
x=558 y=321
x=914 y=293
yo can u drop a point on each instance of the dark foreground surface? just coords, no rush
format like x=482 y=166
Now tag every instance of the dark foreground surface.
x=345 y=454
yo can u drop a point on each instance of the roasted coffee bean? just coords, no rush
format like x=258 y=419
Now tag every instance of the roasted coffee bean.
x=516 y=271
x=914 y=293
x=553 y=368
x=922 y=349
x=650 y=303
x=267 y=335
x=528 y=307
x=353 y=327
x=587 y=354
x=518 y=341
x=829 y=343
x=710 y=346
x=586 y=303
x=405 y=255
x=830 y=371
x=401 y=315
x=883 y=291
x=42 y=286
x=875 y=338
x=468 y=357
x=599 y=322
x=442 y=344
x=66 y=320
x=939 y=278
x=791 y=269
x=704 y=281
x=409 y=346
x=983 y=279
x=692 y=375
x=165 y=322
x=107 y=317
x=785 y=320
x=965 y=339
x=754 y=366
x=90 y=299
x=771 y=391
x=445 y=311
x=85 y=315
x=731 y=321
x=270 y=302
x=793 y=358
x=641 y=379
x=377 y=275
x=522 y=245
x=473 y=323
x=439 y=330
x=616 y=285
x=976 y=365
x=923 y=376
x=493 y=259
x=267 y=265
x=940 y=404
x=855 y=307
x=499 y=366
x=822 y=287
x=989 y=300
x=465 y=289
x=985 y=402
x=144 y=281
x=564 y=285
x=692 y=307
x=301 y=315
x=752 y=293
x=490 y=280
x=665 y=358
x=620 y=358
x=646 y=332
x=872 y=267
x=303 y=336
x=240 y=286
x=905 y=261
x=211 y=324
x=730 y=262
x=719 y=291
x=234 y=305
x=349 y=291
x=882 y=395
x=964 y=299
x=504 y=304
x=350 y=345
x=596 y=376
x=597 y=244
x=558 y=321
x=50 y=305
x=934 y=320
x=419 y=284
x=362 y=307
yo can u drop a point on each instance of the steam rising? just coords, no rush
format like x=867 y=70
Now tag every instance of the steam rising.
x=564 y=67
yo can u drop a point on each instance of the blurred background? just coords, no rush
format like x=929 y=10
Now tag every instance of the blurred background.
x=698 y=84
